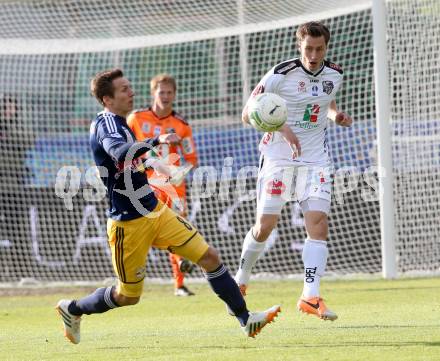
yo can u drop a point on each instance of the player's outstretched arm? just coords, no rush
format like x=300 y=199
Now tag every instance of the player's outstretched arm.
x=118 y=148
x=340 y=118
x=161 y=165
x=292 y=139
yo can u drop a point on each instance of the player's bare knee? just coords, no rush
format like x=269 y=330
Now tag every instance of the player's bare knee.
x=260 y=233
x=130 y=301
x=210 y=260
x=122 y=300
x=319 y=231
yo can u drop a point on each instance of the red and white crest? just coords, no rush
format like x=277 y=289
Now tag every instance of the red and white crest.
x=275 y=187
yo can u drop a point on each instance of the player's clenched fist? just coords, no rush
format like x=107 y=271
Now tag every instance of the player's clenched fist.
x=343 y=119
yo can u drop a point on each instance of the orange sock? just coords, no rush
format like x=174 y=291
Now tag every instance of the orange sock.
x=178 y=276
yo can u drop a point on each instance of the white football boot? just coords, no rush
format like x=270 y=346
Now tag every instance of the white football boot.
x=257 y=320
x=71 y=322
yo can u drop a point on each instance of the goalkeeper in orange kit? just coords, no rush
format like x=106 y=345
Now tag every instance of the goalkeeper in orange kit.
x=150 y=122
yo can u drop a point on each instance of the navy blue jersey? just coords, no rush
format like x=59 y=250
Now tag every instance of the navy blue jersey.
x=116 y=154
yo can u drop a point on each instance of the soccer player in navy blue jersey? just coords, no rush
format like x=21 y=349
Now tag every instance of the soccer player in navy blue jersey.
x=138 y=220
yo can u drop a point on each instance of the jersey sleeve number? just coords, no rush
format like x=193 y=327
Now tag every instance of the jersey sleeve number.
x=185 y=223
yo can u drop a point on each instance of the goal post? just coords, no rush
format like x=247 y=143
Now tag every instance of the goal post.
x=52 y=214
x=384 y=140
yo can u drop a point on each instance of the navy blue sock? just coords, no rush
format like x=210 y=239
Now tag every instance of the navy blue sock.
x=97 y=302
x=227 y=289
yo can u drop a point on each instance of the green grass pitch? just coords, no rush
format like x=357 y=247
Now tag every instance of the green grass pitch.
x=378 y=320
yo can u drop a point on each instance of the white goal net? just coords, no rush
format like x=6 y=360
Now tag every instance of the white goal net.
x=217 y=51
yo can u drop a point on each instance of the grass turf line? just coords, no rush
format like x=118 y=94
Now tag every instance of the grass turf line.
x=378 y=320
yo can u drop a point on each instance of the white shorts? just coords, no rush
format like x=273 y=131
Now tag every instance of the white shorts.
x=277 y=184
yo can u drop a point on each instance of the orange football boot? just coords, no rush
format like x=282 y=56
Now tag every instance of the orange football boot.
x=316 y=306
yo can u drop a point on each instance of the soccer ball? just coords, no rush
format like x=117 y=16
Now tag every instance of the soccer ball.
x=267 y=112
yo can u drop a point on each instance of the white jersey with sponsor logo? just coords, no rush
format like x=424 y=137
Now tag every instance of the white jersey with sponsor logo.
x=308 y=96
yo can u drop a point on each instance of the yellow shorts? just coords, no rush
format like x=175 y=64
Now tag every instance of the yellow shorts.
x=131 y=240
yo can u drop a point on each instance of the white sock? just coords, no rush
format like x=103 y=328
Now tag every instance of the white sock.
x=314 y=256
x=249 y=255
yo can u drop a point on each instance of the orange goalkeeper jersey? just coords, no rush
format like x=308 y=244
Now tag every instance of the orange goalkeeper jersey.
x=146 y=124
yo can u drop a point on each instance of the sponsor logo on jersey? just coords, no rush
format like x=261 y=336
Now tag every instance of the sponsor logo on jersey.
x=187 y=145
x=314 y=81
x=170 y=130
x=157 y=131
x=305 y=125
x=315 y=90
x=302 y=87
x=267 y=138
x=287 y=67
x=275 y=187
x=321 y=177
x=311 y=113
x=335 y=66
x=327 y=86
x=321 y=181
x=310 y=117
x=146 y=127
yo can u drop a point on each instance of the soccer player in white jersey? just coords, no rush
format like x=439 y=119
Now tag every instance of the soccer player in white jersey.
x=295 y=161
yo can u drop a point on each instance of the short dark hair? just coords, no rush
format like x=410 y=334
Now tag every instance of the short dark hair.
x=102 y=84
x=314 y=29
